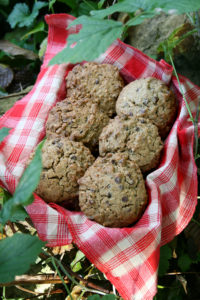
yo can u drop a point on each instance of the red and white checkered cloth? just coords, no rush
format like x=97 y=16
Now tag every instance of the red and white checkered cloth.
x=129 y=257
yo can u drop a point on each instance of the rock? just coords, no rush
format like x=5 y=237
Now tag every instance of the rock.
x=148 y=36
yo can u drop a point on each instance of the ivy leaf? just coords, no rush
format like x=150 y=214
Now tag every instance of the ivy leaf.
x=21 y=14
x=17 y=253
x=13 y=208
x=129 y=6
x=165 y=255
x=93 y=39
x=4 y=132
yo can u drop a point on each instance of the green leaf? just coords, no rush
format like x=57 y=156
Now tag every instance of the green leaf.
x=165 y=255
x=37 y=28
x=128 y=6
x=4 y=2
x=17 y=253
x=92 y=40
x=18 y=14
x=140 y=18
x=101 y=3
x=12 y=210
x=75 y=264
x=21 y=14
x=181 y=6
x=184 y=262
x=70 y=3
x=51 y=3
x=4 y=132
x=86 y=6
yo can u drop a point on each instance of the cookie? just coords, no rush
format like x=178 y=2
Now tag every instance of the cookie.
x=80 y=121
x=101 y=83
x=112 y=191
x=138 y=137
x=63 y=162
x=148 y=98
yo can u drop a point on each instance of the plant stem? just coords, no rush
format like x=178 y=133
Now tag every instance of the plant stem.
x=181 y=90
x=66 y=287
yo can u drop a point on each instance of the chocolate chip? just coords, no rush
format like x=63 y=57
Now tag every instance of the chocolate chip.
x=145 y=101
x=113 y=162
x=73 y=157
x=124 y=199
x=118 y=180
x=97 y=81
x=121 y=187
x=142 y=111
x=155 y=100
x=59 y=145
x=109 y=195
x=137 y=129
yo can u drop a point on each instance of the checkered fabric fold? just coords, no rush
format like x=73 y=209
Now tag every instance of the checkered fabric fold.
x=129 y=257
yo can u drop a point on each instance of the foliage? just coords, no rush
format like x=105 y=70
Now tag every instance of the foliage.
x=90 y=35
x=24 y=25
x=26 y=255
x=13 y=208
x=21 y=15
x=87 y=40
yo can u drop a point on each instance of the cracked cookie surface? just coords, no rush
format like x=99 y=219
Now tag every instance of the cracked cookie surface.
x=80 y=121
x=63 y=162
x=148 y=98
x=101 y=83
x=137 y=137
x=112 y=191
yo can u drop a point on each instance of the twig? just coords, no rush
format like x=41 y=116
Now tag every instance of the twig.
x=37 y=294
x=15 y=94
x=36 y=279
x=181 y=273
x=86 y=282
x=72 y=274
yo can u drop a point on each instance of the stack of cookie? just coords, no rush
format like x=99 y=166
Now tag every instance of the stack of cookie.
x=111 y=188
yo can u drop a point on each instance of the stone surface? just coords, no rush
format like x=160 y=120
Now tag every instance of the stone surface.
x=148 y=36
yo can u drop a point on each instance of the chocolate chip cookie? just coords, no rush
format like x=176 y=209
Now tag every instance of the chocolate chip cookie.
x=80 y=121
x=63 y=162
x=148 y=98
x=101 y=83
x=112 y=191
x=137 y=137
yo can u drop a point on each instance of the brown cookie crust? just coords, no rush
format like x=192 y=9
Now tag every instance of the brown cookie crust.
x=101 y=83
x=80 y=121
x=64 y=162
x=137 y=137
x=148 y=98
x=112 y=191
